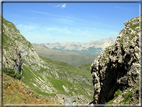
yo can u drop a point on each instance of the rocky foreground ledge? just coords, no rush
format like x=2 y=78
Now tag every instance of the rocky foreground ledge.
x=116 y=71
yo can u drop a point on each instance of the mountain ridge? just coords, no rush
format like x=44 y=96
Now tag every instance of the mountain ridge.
x=102 y=43
x=93 y=48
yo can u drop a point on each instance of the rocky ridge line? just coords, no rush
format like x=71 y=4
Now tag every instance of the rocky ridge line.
x=82 y=46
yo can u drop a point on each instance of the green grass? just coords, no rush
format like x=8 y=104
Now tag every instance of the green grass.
x=16 y=36
x=12 y=73
x=70 y=69
x=65 y=71
x=127 y=35
x=7 y=42
x=127 y=97
x=7 y=23
x=103 y=59
x=57 y=84
x=111 y=101
x=134 y=26
x=118 y=92
x=13 y=87
x=85 y=66
x=107 y=51
x=67 y=67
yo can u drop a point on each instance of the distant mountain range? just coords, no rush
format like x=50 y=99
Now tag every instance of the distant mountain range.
x=103 y=43
x=93 y=48
x=63 y=56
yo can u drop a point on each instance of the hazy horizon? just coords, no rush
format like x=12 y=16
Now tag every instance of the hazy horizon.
x=76 y=42
x=69 y=22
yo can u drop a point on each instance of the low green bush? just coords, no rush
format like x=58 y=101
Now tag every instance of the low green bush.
x=118 y=92
x=12 y=73
x=127 y=97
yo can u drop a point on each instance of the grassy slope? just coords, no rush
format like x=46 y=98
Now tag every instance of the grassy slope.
x=75 y=70
x=63 y=56
x=69 y=76
x=22 y=93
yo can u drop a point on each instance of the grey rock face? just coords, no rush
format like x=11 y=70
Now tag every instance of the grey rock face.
x=16 y=44
x=117 y=67
x=11 y=55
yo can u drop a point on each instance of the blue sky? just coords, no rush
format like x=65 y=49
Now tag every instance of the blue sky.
x=69 y=22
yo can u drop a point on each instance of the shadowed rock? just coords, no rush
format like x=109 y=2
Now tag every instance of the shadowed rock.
x=117 y=67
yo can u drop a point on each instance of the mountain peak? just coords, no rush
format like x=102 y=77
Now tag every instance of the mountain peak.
x=103 y=43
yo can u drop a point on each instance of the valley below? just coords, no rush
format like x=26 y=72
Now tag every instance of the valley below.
x=63 y=56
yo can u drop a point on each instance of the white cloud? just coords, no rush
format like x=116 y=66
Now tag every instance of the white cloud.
x=57 y=6
x=43 y=13
x=64 y=5
x=122 y=8
x=27 y=27
x=63 y=18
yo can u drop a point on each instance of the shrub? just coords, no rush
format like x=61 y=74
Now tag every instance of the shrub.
x=118 y=92
x=18 y=75
x=12 y=73
x=127 y=97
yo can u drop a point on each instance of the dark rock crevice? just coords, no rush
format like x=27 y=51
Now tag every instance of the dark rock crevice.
x=117 y=67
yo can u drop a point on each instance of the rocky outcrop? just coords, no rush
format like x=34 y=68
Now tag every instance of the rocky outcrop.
x=12 y=58
x=11 y=55
x=15 y=46
x=117 y=67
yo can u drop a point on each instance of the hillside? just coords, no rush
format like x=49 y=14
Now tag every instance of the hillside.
x=56 y=80
x=21 y=92
x=63 y=56
x=116 y=70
